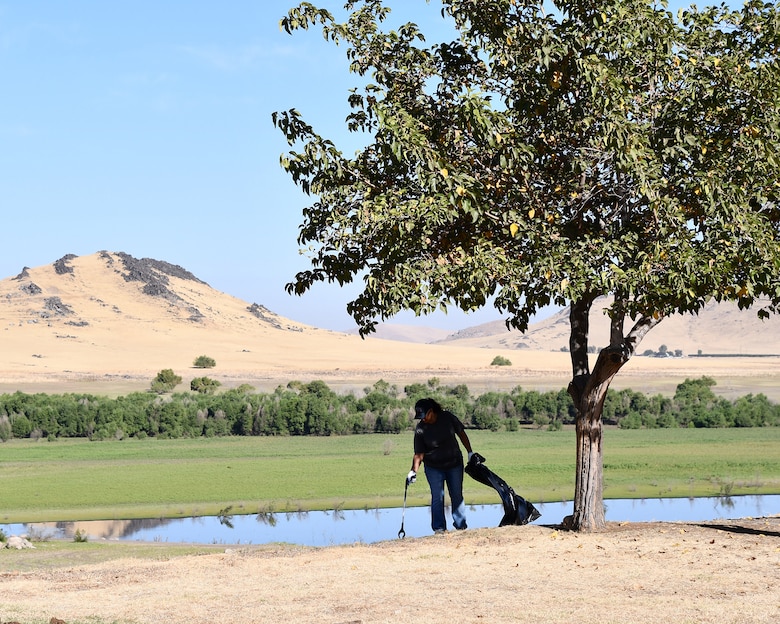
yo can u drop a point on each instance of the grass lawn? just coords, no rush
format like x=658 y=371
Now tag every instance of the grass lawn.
x=80 y=480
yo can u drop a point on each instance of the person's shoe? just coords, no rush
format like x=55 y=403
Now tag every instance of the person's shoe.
x=439 y=531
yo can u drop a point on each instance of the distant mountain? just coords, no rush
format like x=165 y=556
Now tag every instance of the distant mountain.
x=408 y=333
x=718 y=329
x=99 y=290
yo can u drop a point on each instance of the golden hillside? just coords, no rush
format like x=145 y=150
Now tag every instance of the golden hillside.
x=82 y=323
x=112 y=316
x=718 y=329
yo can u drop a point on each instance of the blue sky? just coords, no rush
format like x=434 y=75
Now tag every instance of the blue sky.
x=144 y=126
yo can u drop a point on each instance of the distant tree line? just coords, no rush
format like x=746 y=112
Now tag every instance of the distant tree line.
x=315 y=409
x=663 y=351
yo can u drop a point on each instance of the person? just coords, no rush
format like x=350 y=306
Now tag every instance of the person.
x=436 y=446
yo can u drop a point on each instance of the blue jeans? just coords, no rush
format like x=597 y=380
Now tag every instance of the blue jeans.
x=453 y=477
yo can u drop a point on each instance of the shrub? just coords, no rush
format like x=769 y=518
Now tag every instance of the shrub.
x=5 y=428
x=204 y=361
x=165 y=381
x=21 y=427
x=80 y=536
x=500 y=360
x=485 y=418
x=632 y=421
x=204 y=385
x=540 y=419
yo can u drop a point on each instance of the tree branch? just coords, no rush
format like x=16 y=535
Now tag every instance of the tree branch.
x=578 y=338
x=616 y=320
x=643 y=325
x=579 y=323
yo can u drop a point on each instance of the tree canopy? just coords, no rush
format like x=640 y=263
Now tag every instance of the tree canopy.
x=598 y=148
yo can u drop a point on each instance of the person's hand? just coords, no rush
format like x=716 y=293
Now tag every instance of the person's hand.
x=411 y=477
x=478 y=459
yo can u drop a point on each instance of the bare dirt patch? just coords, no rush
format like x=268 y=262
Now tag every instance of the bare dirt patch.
x=720 y=572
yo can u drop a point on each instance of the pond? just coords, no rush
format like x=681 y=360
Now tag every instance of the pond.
x=326 y=528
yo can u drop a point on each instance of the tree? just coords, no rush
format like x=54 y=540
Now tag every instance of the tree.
x=604 y=149
x=204 y=385
x=165 y=381
x=204 y=361
x=500 y=360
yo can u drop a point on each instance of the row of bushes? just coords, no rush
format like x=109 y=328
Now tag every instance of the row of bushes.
x=314 y=409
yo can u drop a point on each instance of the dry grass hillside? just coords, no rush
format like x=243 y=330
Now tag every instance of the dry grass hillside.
x=110 y=320
x=109 y=316
x=719 y=329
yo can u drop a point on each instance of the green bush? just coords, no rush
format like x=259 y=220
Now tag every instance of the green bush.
x=500 y=360
x=21 y=426
x=165 y=381
x=204 y=361
x=485 y=418
x=5 y=428
x=80 y=537
x=204 y=385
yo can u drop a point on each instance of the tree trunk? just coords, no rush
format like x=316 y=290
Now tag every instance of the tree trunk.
x=589 y=401
x=588 y=391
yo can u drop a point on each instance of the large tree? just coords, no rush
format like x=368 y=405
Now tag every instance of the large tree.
x=598 y=149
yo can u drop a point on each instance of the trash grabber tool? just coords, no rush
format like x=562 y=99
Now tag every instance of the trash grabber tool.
x=402 y=533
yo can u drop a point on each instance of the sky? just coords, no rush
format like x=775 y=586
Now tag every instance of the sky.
x=144 y=126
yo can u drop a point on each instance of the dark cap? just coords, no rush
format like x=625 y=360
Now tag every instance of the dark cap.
x=422 y=406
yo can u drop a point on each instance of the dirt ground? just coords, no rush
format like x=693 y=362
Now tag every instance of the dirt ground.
x=721 y=572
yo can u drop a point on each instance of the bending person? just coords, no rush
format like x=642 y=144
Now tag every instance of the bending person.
x=436 y=446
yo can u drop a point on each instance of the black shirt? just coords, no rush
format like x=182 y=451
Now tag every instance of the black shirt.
x=438 y=441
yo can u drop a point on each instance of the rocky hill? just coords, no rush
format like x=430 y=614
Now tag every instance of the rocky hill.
x=110 y=315
x=109 y=287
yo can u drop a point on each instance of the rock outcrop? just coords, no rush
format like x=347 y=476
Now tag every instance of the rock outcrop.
x=18 y=542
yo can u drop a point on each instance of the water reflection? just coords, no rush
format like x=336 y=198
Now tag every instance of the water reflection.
x=324 y=528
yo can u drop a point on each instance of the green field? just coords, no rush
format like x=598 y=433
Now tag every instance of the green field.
x=75 y=479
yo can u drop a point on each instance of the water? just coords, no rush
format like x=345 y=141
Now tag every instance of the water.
x=326 y=528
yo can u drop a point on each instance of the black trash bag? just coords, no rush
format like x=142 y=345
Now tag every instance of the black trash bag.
x=517 y=510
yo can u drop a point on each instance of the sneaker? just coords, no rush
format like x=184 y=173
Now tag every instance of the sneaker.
x=439 y=531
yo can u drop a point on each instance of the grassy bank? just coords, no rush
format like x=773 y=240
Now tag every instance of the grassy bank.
x=82 y=480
